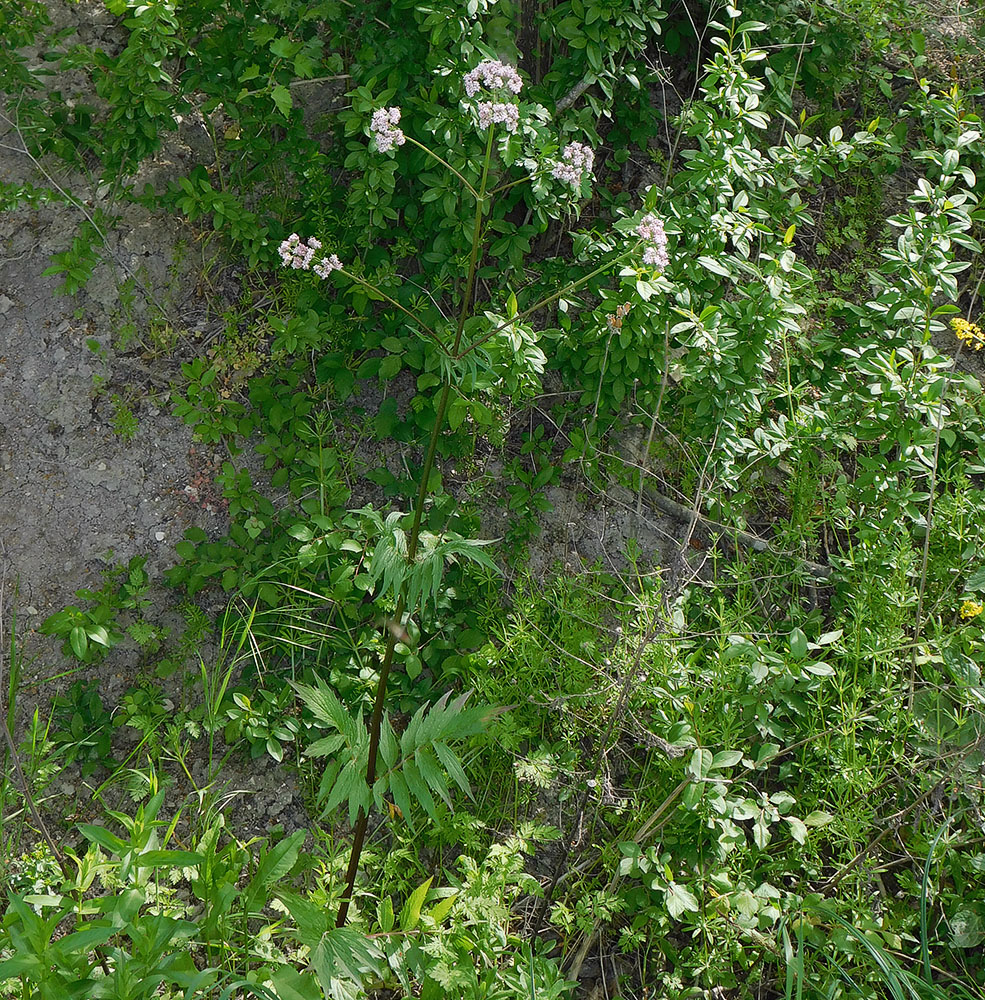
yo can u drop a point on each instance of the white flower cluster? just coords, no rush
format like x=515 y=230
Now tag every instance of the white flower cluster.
x=298 y=256
x=492 y=75
x=501 y=80
x=651 y=232
x=494 y=112
x=384 y=127
x=576 y=161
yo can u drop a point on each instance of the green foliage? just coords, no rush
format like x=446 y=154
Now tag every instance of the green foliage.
x=89 y=632
x=82 y=728
x=79 y=261
x=416 y=766
x=767 y=784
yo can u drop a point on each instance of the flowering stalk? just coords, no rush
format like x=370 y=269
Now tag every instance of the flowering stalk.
x=480 y=205
x=492 y=107
x=376 y=722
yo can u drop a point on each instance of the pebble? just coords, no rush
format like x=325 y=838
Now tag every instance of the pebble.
x=159 y=536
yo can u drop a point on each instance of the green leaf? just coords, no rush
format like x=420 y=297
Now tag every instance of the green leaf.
x=680 y=900
x=384 y=914
x=79 y=641
x=168 y=859
x=700 y=763
x=798 y=829
x=101 y=836
x=293 y=985
x=441 y=909
x=453 y=766
x=798 y=644
x=282 y=99
x=967 y=929
x=710 y=264
x=818 y=818
x=401 y=797
x=276 y=863
x=344 y=955
x=411 y=912
x=312 y=920
x=726 y=758
x=419 y=789
x=977 y=580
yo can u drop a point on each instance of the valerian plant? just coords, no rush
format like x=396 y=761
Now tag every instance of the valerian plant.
x=470 y=348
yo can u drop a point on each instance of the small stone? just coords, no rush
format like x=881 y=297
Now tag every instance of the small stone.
x=159 y=536
x=101 y=467
x=5 y=304
x=31 y=610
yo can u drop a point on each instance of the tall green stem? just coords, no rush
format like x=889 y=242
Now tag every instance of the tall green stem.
x=480 y=204
x=376 y=722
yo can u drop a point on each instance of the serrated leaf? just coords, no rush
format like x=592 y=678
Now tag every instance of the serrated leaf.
x=384 y=914
x=430 y=770
x=281 y=97
x=419 y=789
x=401 y=797
x=388 y=744
x=276 y=863
x=453 y=766
x=442 y=908
x=411 y=912
x=325 y=747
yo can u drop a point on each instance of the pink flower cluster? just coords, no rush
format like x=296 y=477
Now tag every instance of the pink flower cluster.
x=494 y=112
x=492 y=75
x=298 y=255
x=651 y=232
x=576 y=161
x=384 y=127
x=501 y=80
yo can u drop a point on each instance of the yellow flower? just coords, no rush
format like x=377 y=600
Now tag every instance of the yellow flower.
x=968 y=333
x=970 y=609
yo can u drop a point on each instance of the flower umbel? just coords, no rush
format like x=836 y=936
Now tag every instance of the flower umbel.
x=969 y=334
x=651 y=232
x=492 y=75
x=970 y=609
x=576 y=161
x=383 y=125
x=501 y=80
x=493 y=112
x=327 y=265
x=298 y=256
